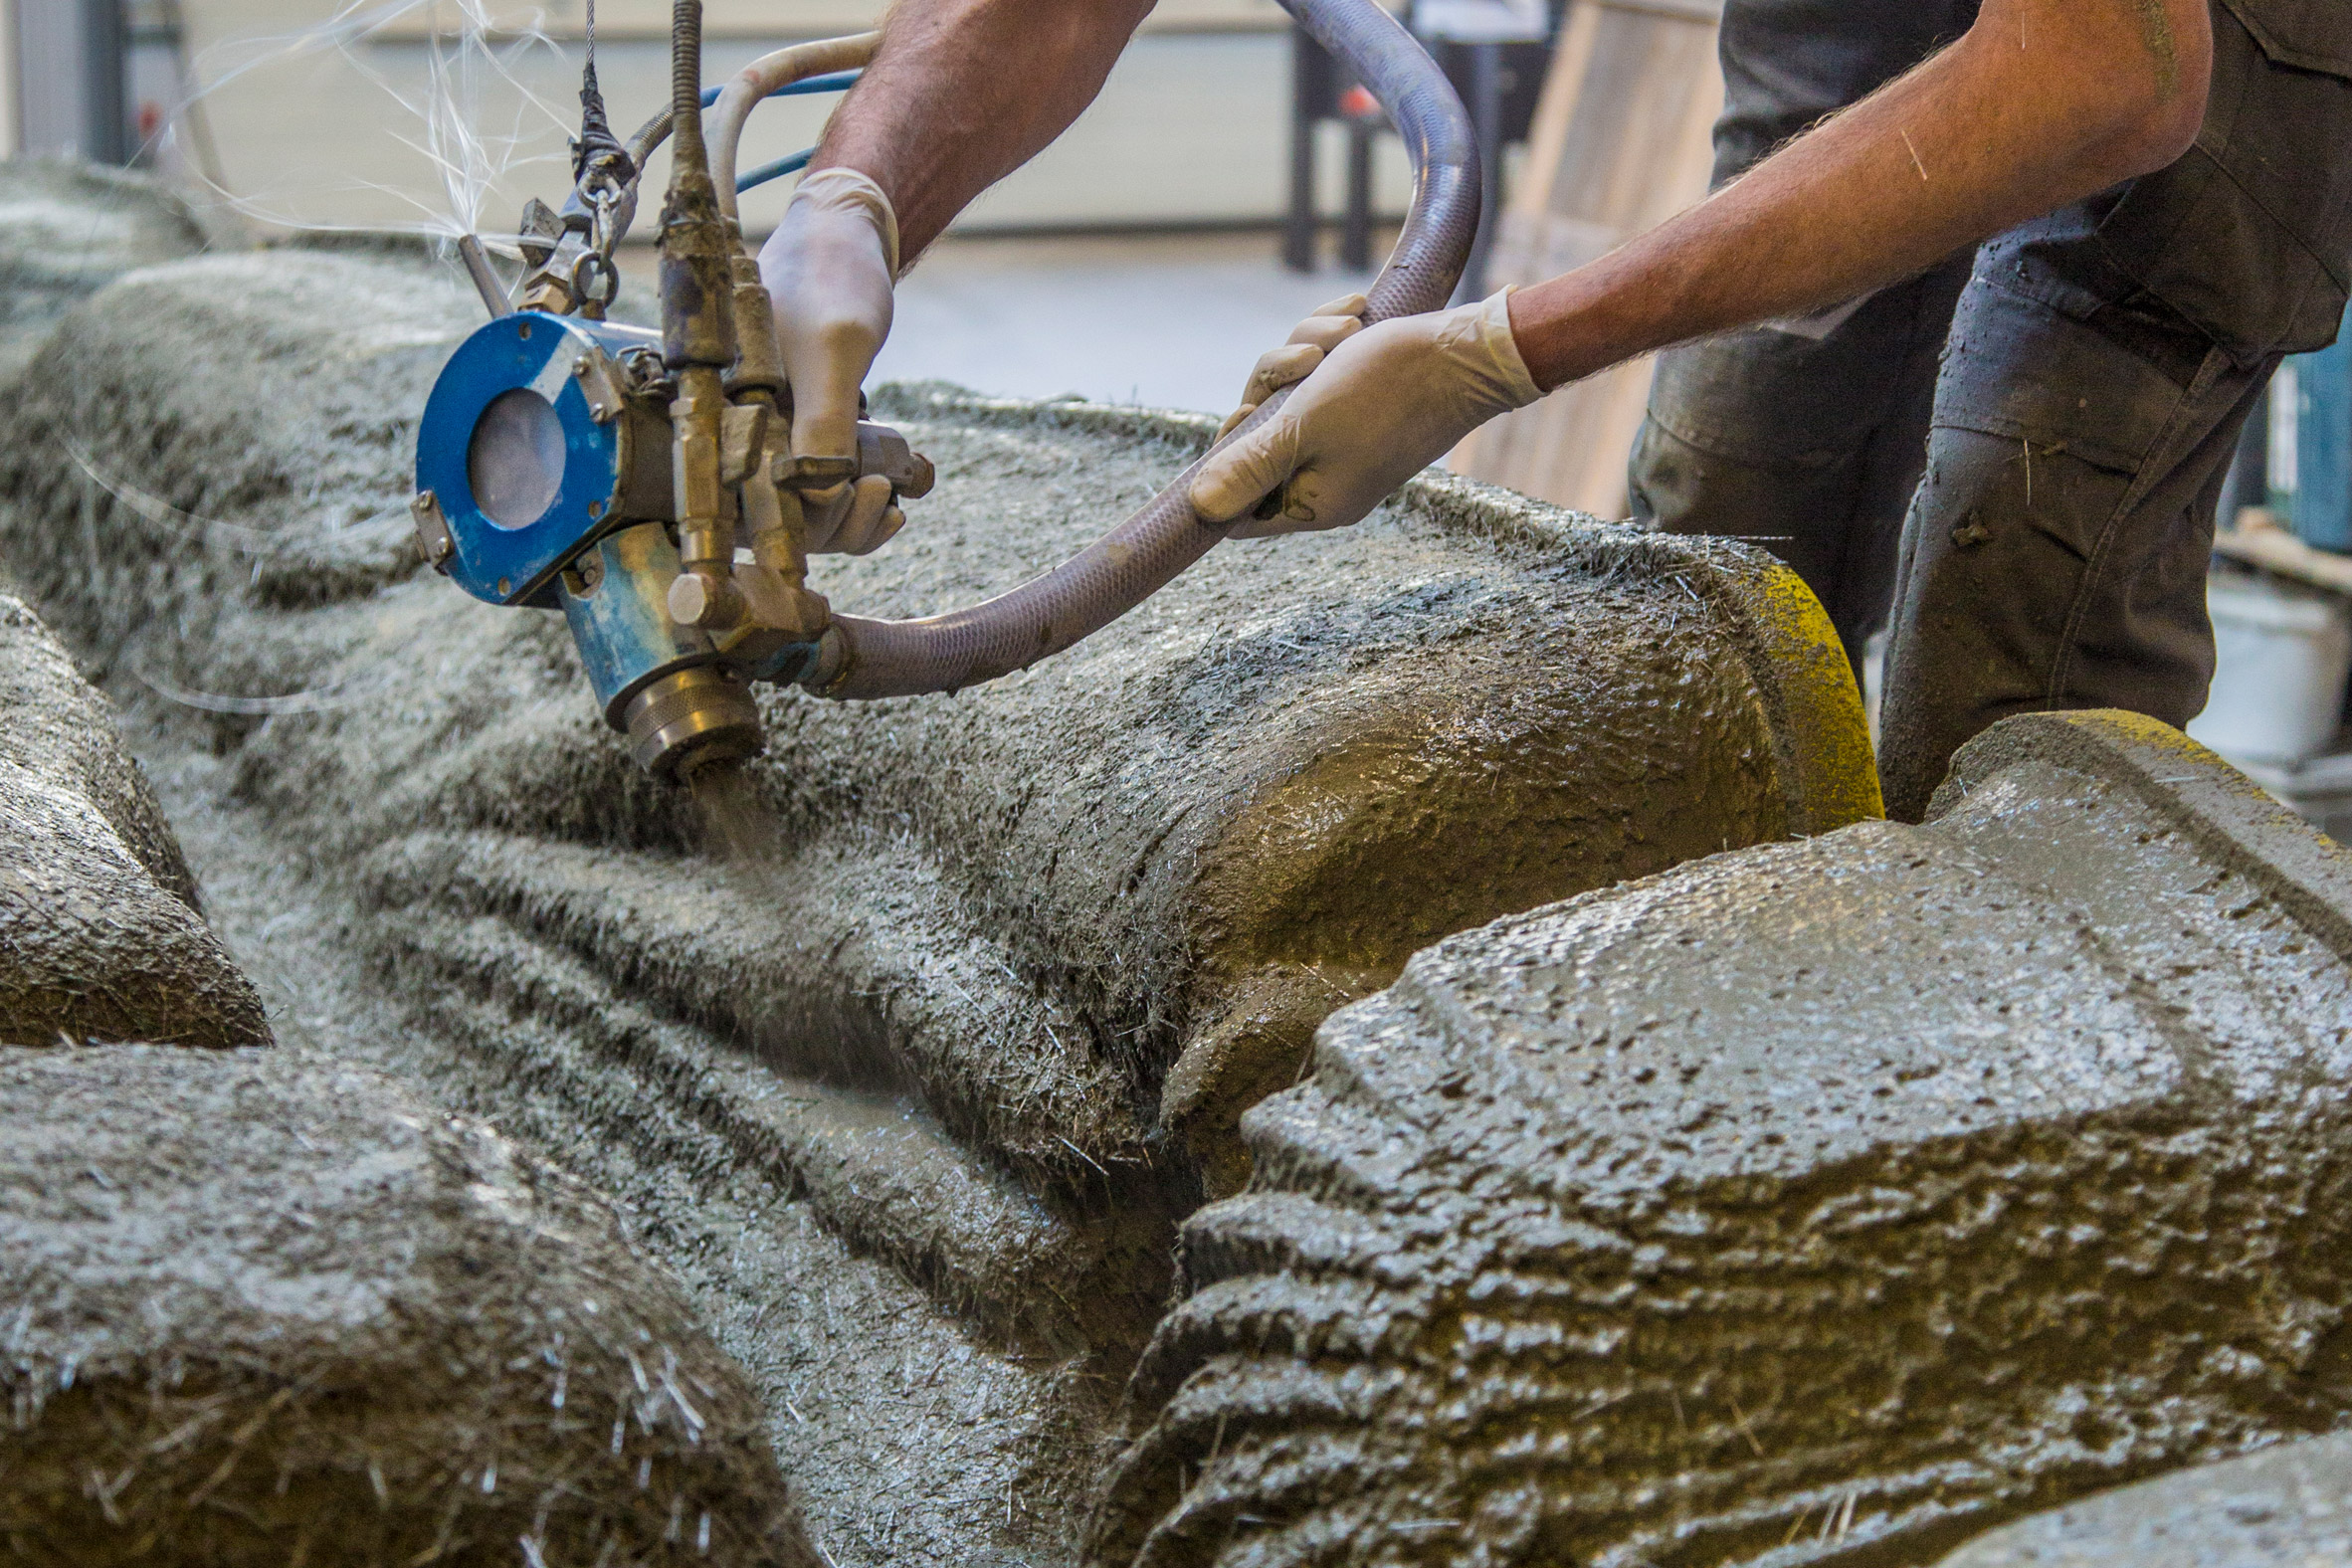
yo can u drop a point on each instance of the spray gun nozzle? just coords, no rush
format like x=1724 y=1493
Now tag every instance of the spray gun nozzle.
x=689 y=719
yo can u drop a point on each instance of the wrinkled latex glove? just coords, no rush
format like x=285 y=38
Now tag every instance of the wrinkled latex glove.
x=853 y=519
x=829 y=267
x=1329 y=326
x=1382 y=406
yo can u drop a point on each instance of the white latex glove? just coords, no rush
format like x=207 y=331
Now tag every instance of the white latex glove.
x=858 y=519
x=1381 y=407
x=829 y=267
x=1329 y=326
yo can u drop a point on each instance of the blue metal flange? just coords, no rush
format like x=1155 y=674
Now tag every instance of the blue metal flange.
x=524 y=447
x=620 y=621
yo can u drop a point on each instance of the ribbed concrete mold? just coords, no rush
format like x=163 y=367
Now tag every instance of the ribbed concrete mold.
x=263 y=1308
x=2288 y=1506
x=915 y=1101
x=1821 y=1202
x=101 y=938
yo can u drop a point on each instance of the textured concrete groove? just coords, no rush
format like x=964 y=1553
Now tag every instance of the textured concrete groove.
x=982 y=1244
x=1742 y=1216
x=928 y=978
x=1048 y=938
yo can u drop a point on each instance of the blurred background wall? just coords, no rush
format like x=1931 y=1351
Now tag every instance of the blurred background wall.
x=317 y=112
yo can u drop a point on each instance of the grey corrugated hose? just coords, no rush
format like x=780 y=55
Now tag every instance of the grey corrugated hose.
x=944 y=653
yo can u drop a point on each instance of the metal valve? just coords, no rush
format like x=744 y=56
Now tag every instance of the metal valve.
x=547 y=477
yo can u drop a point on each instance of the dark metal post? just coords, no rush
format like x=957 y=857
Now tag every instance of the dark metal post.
x=1298 y=230
x=1355 y=236
x=71 y=60
x=1485 y=109
x=105 y=95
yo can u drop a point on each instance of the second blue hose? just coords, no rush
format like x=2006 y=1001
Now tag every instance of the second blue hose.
x=831 y=81
x=791 y=162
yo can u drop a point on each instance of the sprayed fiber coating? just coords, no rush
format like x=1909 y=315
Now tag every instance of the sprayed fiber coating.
x=66 y=231
x=262 y=1307
x=101 y=938
x=1818 y=1202
x=914 y=1099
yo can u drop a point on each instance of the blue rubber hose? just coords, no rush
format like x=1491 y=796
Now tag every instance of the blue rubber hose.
x=831 y=81
x=790 y=163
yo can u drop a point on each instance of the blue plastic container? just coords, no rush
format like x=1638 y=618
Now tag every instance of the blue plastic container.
x=2303 y=469
x=2322 y=506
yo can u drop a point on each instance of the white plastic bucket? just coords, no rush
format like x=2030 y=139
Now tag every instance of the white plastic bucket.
x=2281 y=657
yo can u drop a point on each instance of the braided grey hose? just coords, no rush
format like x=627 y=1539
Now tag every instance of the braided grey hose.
x=862 y=658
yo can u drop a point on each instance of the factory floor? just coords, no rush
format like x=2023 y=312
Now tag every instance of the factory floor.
x=1168 y=322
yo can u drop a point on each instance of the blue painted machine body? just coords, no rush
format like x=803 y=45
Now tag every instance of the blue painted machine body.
x=515 y=559
x=619 y=621
x=566 y=467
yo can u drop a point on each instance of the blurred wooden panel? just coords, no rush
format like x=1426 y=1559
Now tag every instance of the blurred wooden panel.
x=782 y=19
x=1621 y=143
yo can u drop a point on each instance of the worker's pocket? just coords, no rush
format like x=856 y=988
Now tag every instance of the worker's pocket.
x=2016 y=368
x=2309 y=35
x=2248 y=238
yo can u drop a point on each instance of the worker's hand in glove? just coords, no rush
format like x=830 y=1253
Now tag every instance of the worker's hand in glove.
x=1329 y=326
x=1379 y=408
x=854 y=518
x=829 y=267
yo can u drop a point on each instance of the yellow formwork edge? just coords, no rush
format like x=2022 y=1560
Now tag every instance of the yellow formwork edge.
x=1830 y=771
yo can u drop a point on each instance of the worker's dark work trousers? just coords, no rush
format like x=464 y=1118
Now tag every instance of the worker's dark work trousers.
x=2013 y=462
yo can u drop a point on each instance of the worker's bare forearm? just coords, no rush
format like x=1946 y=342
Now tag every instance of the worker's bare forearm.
x=2043 y=103
x=963 y=92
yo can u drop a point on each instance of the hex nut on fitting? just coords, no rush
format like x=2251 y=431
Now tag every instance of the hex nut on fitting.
x=690 y=717
x=711 y=603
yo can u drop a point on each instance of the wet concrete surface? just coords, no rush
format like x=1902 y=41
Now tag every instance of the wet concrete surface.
x=1821 y=1202
x=2286 y=1505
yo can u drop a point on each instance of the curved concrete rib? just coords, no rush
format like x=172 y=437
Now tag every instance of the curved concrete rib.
x=2285 y=1508
x=100 y=936
x=1820 y=1201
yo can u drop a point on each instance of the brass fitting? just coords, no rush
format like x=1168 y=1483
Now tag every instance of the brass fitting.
x=759 y=366
x=699 y=597
x=779 y=610
x=704 y=594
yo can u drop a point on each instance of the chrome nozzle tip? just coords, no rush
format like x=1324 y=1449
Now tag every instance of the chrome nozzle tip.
x=694 y=716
